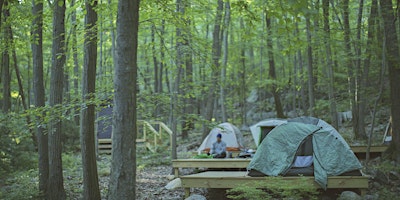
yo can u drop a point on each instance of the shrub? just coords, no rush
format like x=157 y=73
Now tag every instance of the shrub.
x=275 y=187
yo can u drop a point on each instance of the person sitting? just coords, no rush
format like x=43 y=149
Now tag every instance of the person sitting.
x=218 y=149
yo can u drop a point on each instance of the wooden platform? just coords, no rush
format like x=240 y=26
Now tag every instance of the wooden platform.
x=239 y=163
x=221 y=179
x=375 y=151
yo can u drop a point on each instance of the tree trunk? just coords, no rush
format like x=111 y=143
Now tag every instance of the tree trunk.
x=358 y=111
x=55 y=184
x=39 y=95
x=368 y=54
x=123 y=167
x=76 y=63
x=225 y=58
x=87 y=130
x=393 y=59
x=310 y=70
x=242 y=76
x=216 y=56
x=331 y=93
x=272 y=73
x=187 y=79
x=6 y=77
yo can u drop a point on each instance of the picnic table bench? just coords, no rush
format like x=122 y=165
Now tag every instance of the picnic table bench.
x=232 y=179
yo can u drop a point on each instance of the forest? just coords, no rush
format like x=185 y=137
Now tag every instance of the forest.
x=190 y=65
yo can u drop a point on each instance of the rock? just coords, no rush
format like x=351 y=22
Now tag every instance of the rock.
x=170 y=177
x=381 y=178
x=196 y=197
x=349 y=195
x=376 y=185
x=176 y=183
x=394 y=175
x=371 y=197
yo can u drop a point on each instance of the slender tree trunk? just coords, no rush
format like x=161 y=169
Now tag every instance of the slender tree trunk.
x=216 y=56
x=6 y=76
x=272 y=73
x=225 y=58
x=123 y=167
x=87 y=129
x=242 y=75
x=368 y=52
x=39 y=94
x=21 y=92
x=56 y=183
x=76 y=63
x=393 y=59
x=331 y=93
x=358 y=111
x=310 y=70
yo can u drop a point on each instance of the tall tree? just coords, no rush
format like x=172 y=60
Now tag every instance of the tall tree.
x=393 y=59
x=272 y=71
x=39 y=93
x=216 y=56
x=227 y=19
x=329 y=63
x=123 y=166
x=310 y=69
x=87 y=130
x=5 y=75
x=74 y=47
x=56 y=184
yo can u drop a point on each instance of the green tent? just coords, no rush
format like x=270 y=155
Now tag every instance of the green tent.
x=331 y=155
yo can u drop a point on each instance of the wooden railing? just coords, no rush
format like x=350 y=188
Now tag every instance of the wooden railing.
x=152 y=134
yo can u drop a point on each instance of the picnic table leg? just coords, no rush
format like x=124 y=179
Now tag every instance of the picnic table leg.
x=187 y=192
x=363 y=192
x=176 y=172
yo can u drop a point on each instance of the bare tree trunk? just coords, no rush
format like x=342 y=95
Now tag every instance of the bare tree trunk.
x=225 y=58
x=123 y=167
x=331 y=93
x=272 y=73
x=216 y=56
x=87 y=126
x=39 y=94
x=310 y=70
x=242 y=76
x=378 y=98
x=393 y=59
x=56 y=183
x=76 y=63
x=6 y=76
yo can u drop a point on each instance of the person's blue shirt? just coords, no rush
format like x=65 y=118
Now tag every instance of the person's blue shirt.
x=218 y=147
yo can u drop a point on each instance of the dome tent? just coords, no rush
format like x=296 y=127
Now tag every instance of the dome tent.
x=231 y=135
x=278 y=152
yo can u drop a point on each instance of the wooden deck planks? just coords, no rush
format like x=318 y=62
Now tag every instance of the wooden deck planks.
x=218 y=179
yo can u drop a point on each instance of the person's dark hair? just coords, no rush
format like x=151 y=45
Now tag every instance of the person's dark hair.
x=219 y=135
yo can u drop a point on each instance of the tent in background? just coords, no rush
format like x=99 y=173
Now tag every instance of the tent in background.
x=265 y=125
x=231 y=135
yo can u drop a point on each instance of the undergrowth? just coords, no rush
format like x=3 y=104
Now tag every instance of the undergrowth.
x=275 y=187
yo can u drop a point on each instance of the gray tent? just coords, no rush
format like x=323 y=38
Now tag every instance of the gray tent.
x=331 y=155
